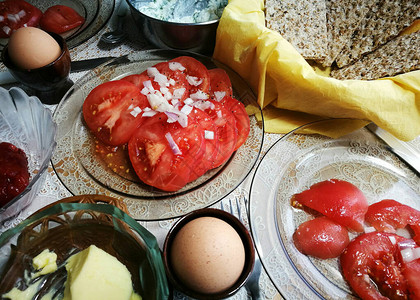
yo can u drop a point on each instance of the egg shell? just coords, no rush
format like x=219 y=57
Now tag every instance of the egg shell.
x=32 y=48
x=208 y=255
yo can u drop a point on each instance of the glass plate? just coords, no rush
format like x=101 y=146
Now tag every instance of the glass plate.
x=95 y=12
x=293 y=164
x=82 y=172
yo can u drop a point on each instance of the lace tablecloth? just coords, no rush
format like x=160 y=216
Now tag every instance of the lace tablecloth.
x=54 y=190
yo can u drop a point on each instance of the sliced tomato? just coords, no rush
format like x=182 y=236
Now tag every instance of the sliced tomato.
x=371 y=266
x=60 y=19
x=211 y=142
x=389 y=215
x=163 y=154
x=220 y=84
x=337 y=199
x=321 y=237
x=242 y=119
x=110 y=111
x=15 y=14
x=226 y=130
x=197 y=74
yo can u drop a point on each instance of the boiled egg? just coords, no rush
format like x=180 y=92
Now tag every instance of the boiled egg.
x=32 y=48
x=207 y=255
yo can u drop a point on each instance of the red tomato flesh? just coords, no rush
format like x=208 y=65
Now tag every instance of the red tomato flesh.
x=153 y=157
x=196 y=71
x=16 y=14
x=389 y=215
x=220 y=84
x=14 y=174
x=242 y=119
x=108 y=111
x=371 y=266
x=60 y=19
x=321 y=237
x=339 y=200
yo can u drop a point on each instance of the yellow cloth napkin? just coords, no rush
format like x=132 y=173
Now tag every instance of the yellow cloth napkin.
x=292 y=93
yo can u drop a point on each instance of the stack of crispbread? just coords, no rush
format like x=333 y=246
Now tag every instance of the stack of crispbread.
x=357 y=39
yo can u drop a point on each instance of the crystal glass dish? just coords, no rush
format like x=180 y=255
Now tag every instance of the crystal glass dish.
x=294 y=163
x=71 y=225
x=26 y=123
x=83 y=172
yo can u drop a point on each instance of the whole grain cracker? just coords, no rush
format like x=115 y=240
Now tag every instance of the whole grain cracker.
x=303 y=23
x=343 y=18
x=399 y=55
x=382 y=23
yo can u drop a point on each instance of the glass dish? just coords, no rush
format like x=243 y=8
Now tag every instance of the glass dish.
x=26 y=123
x=95 y=12
x=294 y=163
x=71 y=225
x=82 y=172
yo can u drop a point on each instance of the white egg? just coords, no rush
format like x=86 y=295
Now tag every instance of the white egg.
x=208 y=255
x=32 y=48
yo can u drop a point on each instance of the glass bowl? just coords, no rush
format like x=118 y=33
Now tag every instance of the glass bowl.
x=26 y=123
x=73 y=224
x=82 y=171
x=294 y=163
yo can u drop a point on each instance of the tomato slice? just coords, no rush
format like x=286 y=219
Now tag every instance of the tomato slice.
x=339 y=200
x=197 y=74
x=371 y=266
x=321 y=237
x=160 y=163
x=220 y=85
x=242 y=119
x=226 y=132
x=15 y=14
x=211 y=142
x=112 y=111
x=389 y=215
x=60 y=19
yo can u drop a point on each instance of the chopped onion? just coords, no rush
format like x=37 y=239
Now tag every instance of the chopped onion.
x=219 y=96
x=158 y=102
x=203 y=105
x=172 y=117
x=369 y=229
x=172 y=144
x=176 y=66
x=189 y=101
x=392 y=239
x=13 y=18
x=7 y=30
x=178 y=93
x=152 y=72
x=172 y=81
x=199 y=95
x=186 y=109
x=195 y=81
x=410 y=254
x=149 y=113
x=135 y=112
x=219 y=114
x=21 y=13
x=209 y=135
x=162 y=80
x=131 y=106
x=1 y=18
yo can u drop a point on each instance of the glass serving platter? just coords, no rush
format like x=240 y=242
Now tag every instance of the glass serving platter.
x=294 y=163
x=95 y=12
x=84 y=172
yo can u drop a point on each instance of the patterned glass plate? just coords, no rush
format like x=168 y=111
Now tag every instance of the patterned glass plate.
x=293 y=164
x=95 y=12
x=84 y=172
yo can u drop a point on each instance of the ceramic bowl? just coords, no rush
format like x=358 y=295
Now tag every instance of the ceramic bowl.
x=194 y=37
x=49 y=83
x=246 y=240
x=26 y=123
x=73 y=224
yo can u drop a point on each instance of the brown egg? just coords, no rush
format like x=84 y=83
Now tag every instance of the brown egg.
x=208 y=255
x=32 y=48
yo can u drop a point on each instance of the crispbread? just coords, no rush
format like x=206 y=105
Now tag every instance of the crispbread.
x=303 y=23
x=383 y=22
x=399 y=55
x=343 y=18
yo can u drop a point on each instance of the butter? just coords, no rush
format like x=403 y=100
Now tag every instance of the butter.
x=96 y=275
x=46 y=262
x=27 y=294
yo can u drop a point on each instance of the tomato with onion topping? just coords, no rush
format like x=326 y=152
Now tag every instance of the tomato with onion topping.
x=60 y=19
x=15 y=14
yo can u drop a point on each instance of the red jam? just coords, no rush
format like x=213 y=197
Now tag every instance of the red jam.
x=14 y=173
